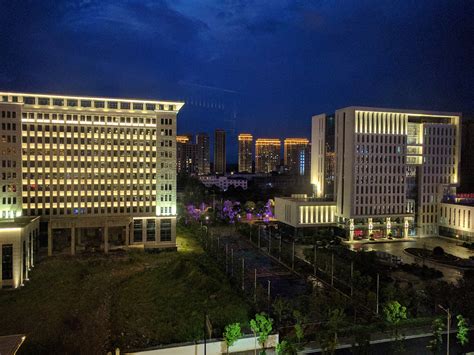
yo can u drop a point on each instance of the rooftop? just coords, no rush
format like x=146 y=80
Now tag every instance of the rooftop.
x=19 y=222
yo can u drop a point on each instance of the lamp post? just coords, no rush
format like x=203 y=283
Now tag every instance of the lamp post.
x=448 y=327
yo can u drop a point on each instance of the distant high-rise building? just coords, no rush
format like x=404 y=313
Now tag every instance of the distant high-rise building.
x=219 y=152
x=297 y=155
x=185 y=154
x=245 y=153
x=267 y=155
x=203 y=161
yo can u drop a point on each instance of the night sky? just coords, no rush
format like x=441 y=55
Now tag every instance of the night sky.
x=262 y=67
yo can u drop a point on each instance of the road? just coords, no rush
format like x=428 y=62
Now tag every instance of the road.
x=414 y=346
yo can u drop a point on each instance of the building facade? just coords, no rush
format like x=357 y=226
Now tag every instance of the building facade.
x=297 y=155
x=467 y=152
x=219 y=152
x=223 y=182
x=267 y=155
x=392 y=169
x=103 y=167
x=301 y=211
x=18 y=249
x=456 y=220
x=245 y=152
x=203 y=159
x=185 y=155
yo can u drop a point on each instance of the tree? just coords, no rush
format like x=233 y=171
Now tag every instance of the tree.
x=463 y=330
x=438 y=251
x=435 y=344
x=261 y=326
x=250 y=206
x=299 y=330
x=280 y=348
x=231 y=334
x=394 y=313
x=280 y=306
x=329 y=338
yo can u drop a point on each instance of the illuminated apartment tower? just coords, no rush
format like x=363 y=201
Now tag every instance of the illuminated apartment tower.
x=267 y=155
x=392 y=168
x=219 y=152
x=245 y=153
x=203 y=161
x=89 y=163
x=185 y=154
x=297 y=155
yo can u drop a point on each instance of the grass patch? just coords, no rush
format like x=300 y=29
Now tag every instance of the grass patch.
x=128 y=300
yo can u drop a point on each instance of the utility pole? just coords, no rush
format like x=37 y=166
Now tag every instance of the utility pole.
x=232 y=262
x=243 y=274
x=268 y=295
x=270 y=244
x=314 y=261
x=255 y=287
x=332 y=269
x=378 y=287
x=293 y=257
x=279 y=252
x=448 y=326
x=226 y=258
x=352 y=278
x=259 y=237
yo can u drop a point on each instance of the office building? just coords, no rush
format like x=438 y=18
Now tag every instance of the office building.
x=267 y=155
x=245 y=152
x=393 y=168
x=223 y=182
x=185 y=155
x=219 y=152
x=297 y=156
x=100 y=172
x=203 y=160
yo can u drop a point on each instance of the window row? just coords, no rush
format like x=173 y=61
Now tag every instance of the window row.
x=8 y=114
x=89 y=210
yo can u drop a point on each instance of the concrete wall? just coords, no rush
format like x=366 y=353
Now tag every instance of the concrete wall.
x=214 y=347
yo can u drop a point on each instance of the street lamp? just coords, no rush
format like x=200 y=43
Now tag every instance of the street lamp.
x=448 y=326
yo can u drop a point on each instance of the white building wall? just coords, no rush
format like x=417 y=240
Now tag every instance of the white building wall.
x=318 y=150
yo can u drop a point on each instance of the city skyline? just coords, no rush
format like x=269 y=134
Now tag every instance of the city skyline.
x=239 y=176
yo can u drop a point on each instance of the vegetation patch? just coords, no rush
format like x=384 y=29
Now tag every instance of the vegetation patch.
x=129 y=300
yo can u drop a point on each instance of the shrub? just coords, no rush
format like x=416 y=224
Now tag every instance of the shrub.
x=438 y=251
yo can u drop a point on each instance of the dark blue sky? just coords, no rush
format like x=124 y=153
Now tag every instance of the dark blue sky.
x=245 y=65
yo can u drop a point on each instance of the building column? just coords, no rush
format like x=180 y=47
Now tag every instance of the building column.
x=351 y=229
x=106 y=239
x=32 y=250
x=405 y=228
x=73 y=240
x=50 y=239
x=127 y=234
x=131 y=236
x=389 y=227
x=143 y=231
x=371 y=226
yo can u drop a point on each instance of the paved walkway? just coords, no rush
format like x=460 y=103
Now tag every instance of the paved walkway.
x=452 y=247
